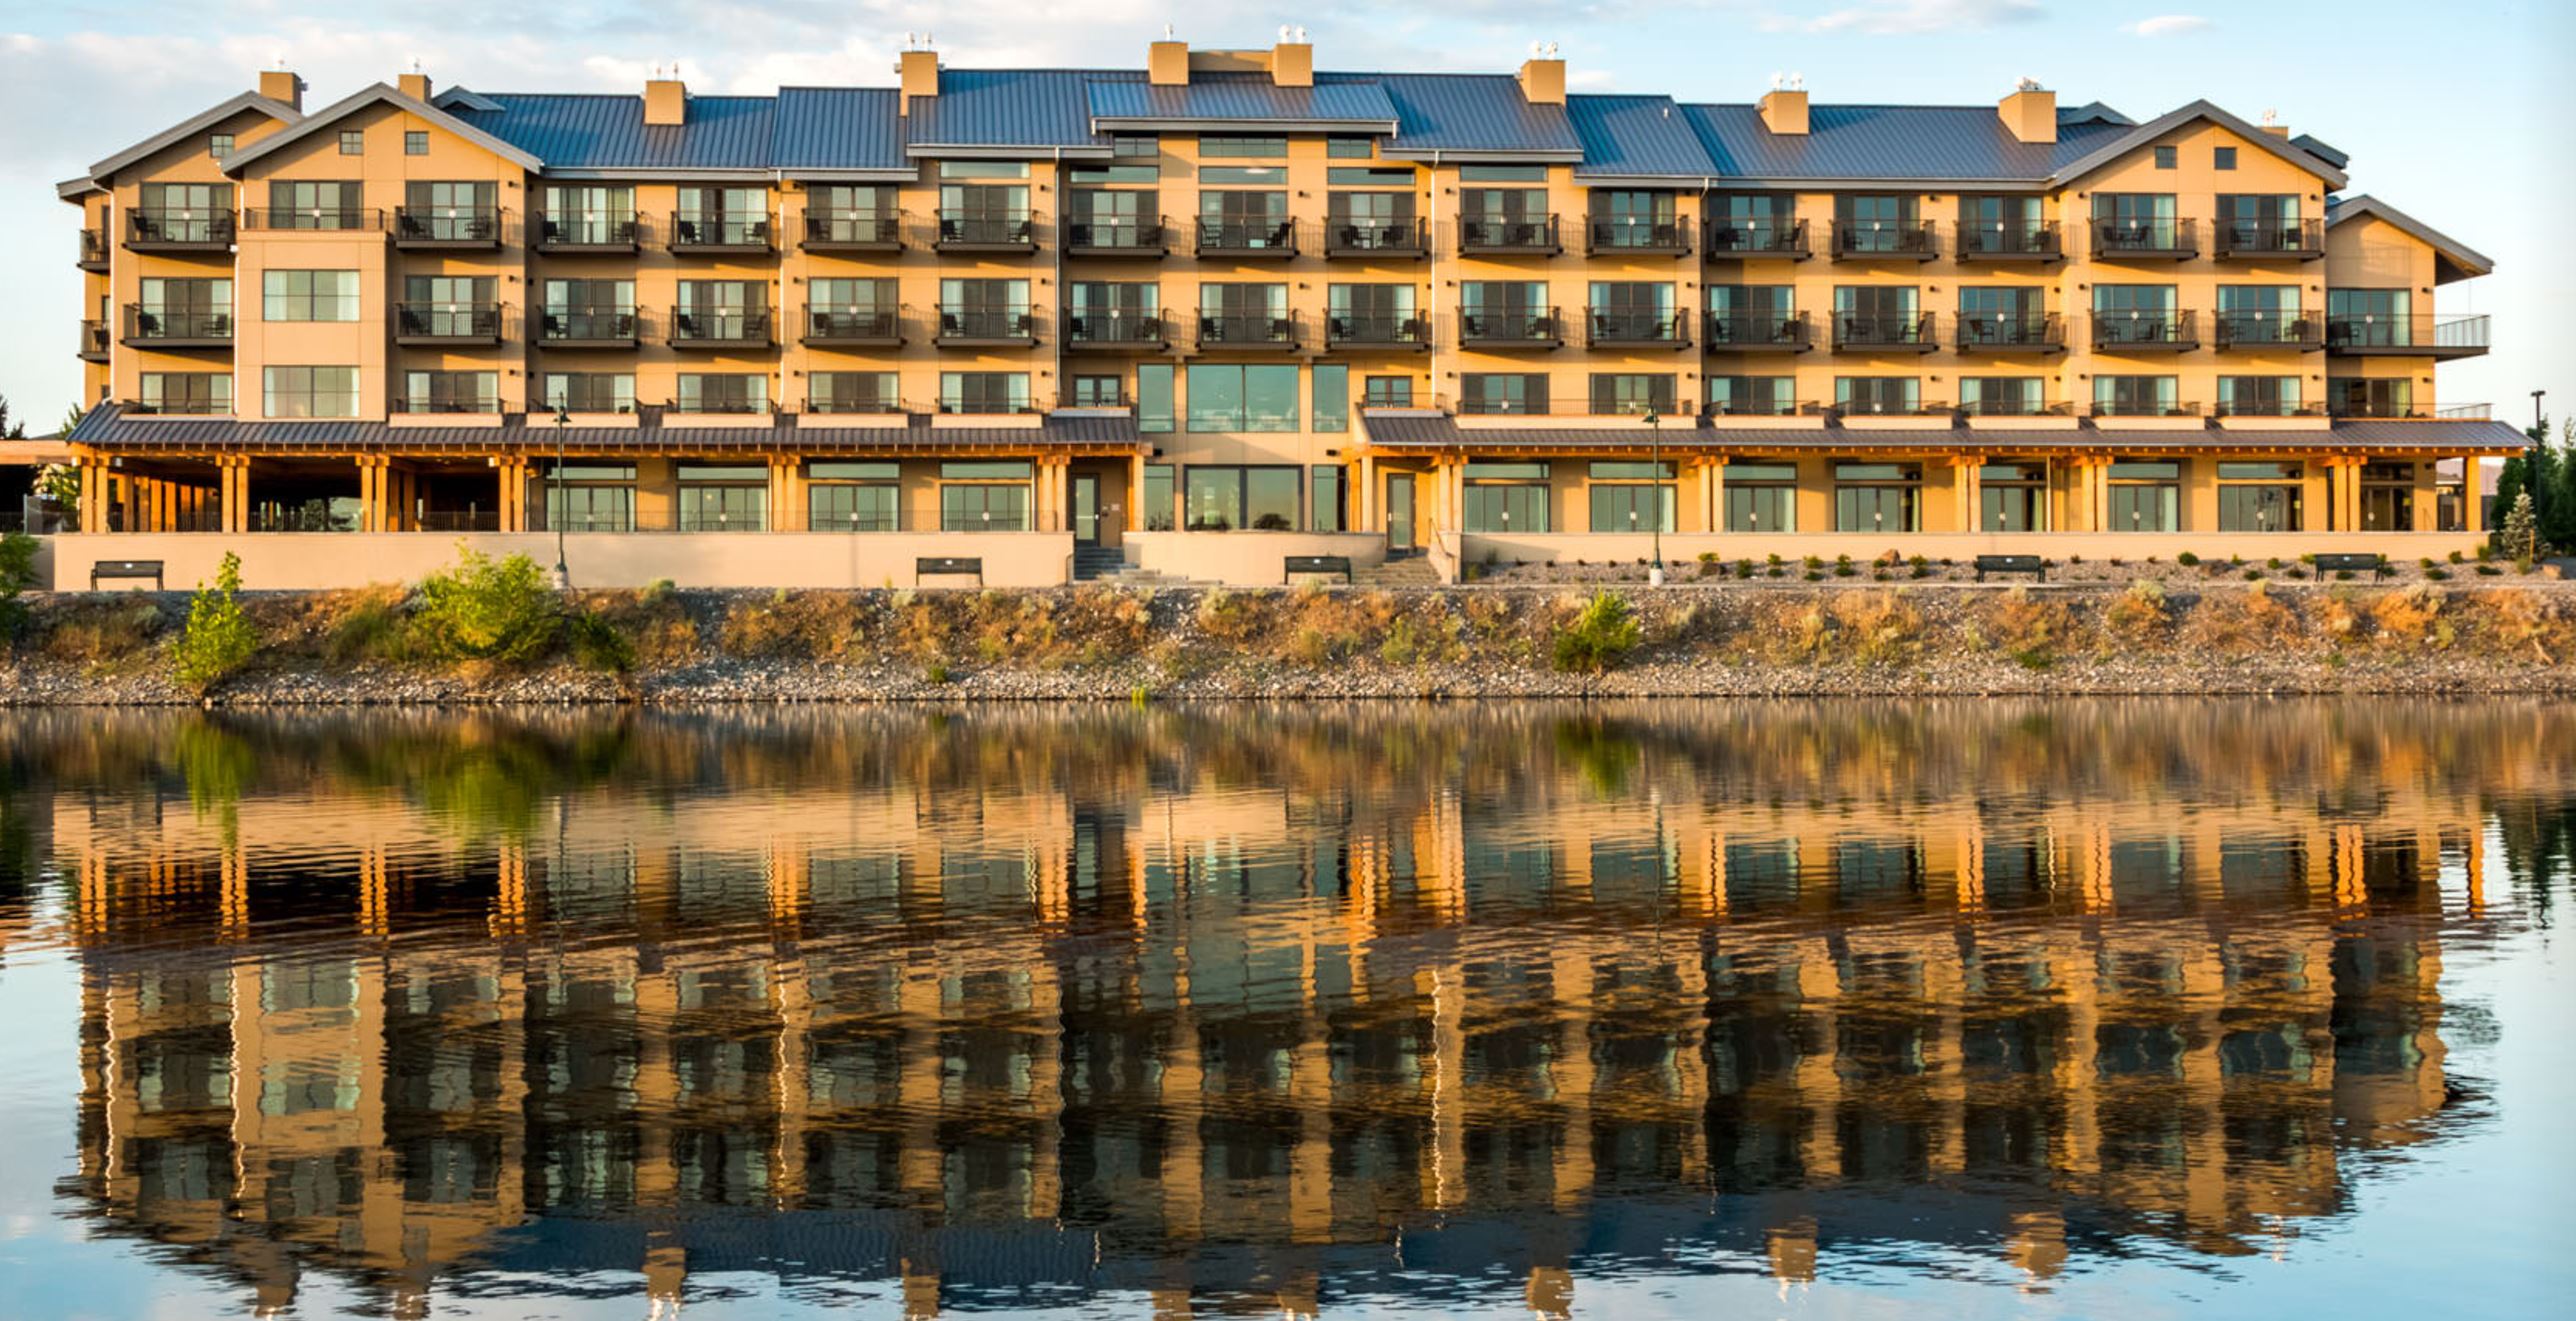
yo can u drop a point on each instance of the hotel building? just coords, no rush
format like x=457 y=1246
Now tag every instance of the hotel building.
x=1225 y=309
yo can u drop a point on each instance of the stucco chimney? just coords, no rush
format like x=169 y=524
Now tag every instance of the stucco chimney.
x=666 y=103
x=282 y=85
x=920 y=75
x=414 y=85
x=1784 y=110
x=1167 y=64
x=2030 y=113
x=1543 y=80
x=1292 y=64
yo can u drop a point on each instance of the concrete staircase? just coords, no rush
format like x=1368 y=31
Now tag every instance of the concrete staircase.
x=1091 y=563
x=1407 y=571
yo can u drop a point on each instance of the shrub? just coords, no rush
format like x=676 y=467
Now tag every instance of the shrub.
x=488 y=610
x=1601 y=636
x=2139 y=613
x=2408 y=615
x=597 y=644
x=218 y=639
x=17 y=574
x=371 y=630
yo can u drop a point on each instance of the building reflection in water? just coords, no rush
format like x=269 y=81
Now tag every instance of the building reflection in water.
x=1251 y=1010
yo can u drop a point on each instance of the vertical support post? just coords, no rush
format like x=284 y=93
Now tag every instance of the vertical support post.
x=1364 y=515
x=1135 y=521
x=2473 y=515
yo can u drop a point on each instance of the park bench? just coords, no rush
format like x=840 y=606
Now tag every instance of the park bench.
x=2029 y=564
x=948 y=566
x=125 y=571
x=1318 y=566
x=2373 y=563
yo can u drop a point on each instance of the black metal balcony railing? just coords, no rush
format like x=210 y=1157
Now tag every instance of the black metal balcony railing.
x=1380 y=329
x=696 y=326
x=987 y=325
x=725 y=402
x=2477 y=411
x=853 y=231
x=845 y=325
x=1252 y=238
x=2422 y=334
x=2377 y=407
x=2261 y=407
x=1350 y=236
x=2302 y=239
x=1236 y=331
x=443 y=401
x=1511 y=329
x=2145 y=408
x=2032 y=333
x=1609 y=329
x=1113 y=330
x=719 y=231
x=181 y=407
x=332 y=218
x=1639 y=234
x=1887 y=240
x=1122 y=236
x=425 y=322
x=1914 y=333
x=93 y=340
x=2012 y=407
x=1757 y=238
x=1757 y=331
x=604 y=327
x=854 y=401
x=1900 y=407
x=93 y=249
x=2017 y=240
x=2163 y=240
x=151 y=228
x=447 y=226
x=2291 y=330
x=607 y=229
x=1762 y=407
x=969 y=230
x=2167 y=330
x=144 y=325
x=1502 y=236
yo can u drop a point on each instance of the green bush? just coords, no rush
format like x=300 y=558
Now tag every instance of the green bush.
x=489 y=610
x=597 y=645
x=218 y=640
x=17 y=574
x=1599 y=638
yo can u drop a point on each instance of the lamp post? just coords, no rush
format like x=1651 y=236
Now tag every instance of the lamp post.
x=555 y=515
x=2531 y=455
x=1655 y=488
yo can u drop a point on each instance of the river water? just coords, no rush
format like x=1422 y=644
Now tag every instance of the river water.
x=1976 y=1008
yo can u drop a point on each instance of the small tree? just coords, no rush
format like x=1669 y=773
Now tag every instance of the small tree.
x=1600 y=637
x=11 y=428
x=2520 y=537
x=487 y=609
x=17 y=574
x=219 y=639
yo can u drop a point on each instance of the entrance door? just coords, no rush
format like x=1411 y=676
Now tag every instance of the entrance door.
x=1399 y=513
x=1086 y=510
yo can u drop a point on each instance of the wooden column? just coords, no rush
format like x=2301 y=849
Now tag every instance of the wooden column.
x=1135 y=520
x=2472 y=515
x=785 y=513
x=1715 y=517
x=232 y=488
x=1364 y=514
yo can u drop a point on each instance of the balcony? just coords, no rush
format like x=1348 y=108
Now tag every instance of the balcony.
x=1394 y=240
x=2145 y=240
x=316 y=219
x=2033 y=240
x=856 y=401
x=447 y=228
x=1248 y=334
x=2145 y=332
x=1629 y=330
x=1766 y=407
x=2015 y=408
x=1114 y=237
x=443 y=401
x=1510 y=330
x=93 y=250
x=1115 y=332
x=447 y=323
x=2465 y=412
x=93 y=341
x=981 y=326
x=2420 y=336
x=1887 y=334
x=597 y=231
x=1738 y=332
x=2277 y=240
x=746 y=328
x=2037 y=333
x=2144 y=408
x=1506 y=237
x=2270 y=330
x=161 y=329
x=853 y=231
x=720 y=234
x=1892 y=408
x=558 y=329
x=1268 y=240
x=1757 y=239
x=2381 y=409
x=164 y=229
x=840 y=327
x=1636 y=236
x=985 y=231
x=1375 y=331
x=2264 y=408
x=1886 y=240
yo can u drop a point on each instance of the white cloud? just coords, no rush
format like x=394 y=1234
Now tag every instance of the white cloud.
x=2167 y=25
x=1881 y=18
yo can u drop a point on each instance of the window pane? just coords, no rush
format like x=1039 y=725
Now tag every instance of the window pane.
x=1332 y=387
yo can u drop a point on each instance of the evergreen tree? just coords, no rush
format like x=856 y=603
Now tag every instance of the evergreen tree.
x=2519 y=538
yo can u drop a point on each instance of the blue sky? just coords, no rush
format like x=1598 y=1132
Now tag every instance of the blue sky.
x=2446 y=109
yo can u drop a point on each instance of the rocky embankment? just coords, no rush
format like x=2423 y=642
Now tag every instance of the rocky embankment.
x=1095 y=643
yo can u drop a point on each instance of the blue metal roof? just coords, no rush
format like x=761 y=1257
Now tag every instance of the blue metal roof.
x=1036 y=109
x=1469 y=113
x=586 y=132
x=837 y=128
x=1218 y=99
x=1889 y=142
x=1628 y=136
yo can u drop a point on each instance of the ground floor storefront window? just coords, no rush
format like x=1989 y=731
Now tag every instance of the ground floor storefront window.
x=723 y=498
x=2259 y=497
x=1878 y=497
x=2013 y=497
x=1226 y=497
x=853 y=497
x=1761 y=497
x=1632 y=497
x=1507 y=497
x=990 y=496
x=589 y=497
x=2146 y=495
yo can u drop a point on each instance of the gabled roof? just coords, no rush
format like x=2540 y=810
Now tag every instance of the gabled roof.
x=2322 y=150
x=2457 y=260
x=838 y=132
x=1636 y=137
x=196 y=124
x=1470 y=116
x=2155 y=128
x=1238 y=101
x=379 y=94
x=579 y=135
x=1012 y=113
x=1921 y=144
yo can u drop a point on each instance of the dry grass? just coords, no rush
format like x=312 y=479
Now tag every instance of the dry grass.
x=2226 y=623
x=820 y=626
x=2029 y=628
x=100 y=632
x=2140 y=616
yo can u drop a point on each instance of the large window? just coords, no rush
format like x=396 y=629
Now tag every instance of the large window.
x=1222 y=497
x=984 y=496
x=2369 y=318
x=722 y=392
x=2259 y=497
x=1632 y=392
x=1878 y=497
x=2146 y=495
x=1761 y=497
x=315 y=204
x=2136 y=396
x=1324 y=505
x=589 y=392
x=1752 y=395
x=984 y=392
x=1502 y=392
x=1159 y=497
x=589 y=497
x=450 y=392
x=187 y=392
x=853 y=497
x=2003 y=396
x=1507 y=497
x=723 y=498
x=588 y=214
x=723 y=215
x=187 y=307
x=851 y=392
x=2382 y=396
x=1331 y=383
x=1155 y=411
x=310 y=391
x=1878 y=394
x=1257 y=397
x=1631 y=497
x=186 y=212
x=2012 y=497
x=2258 y=396
x=308 y=295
